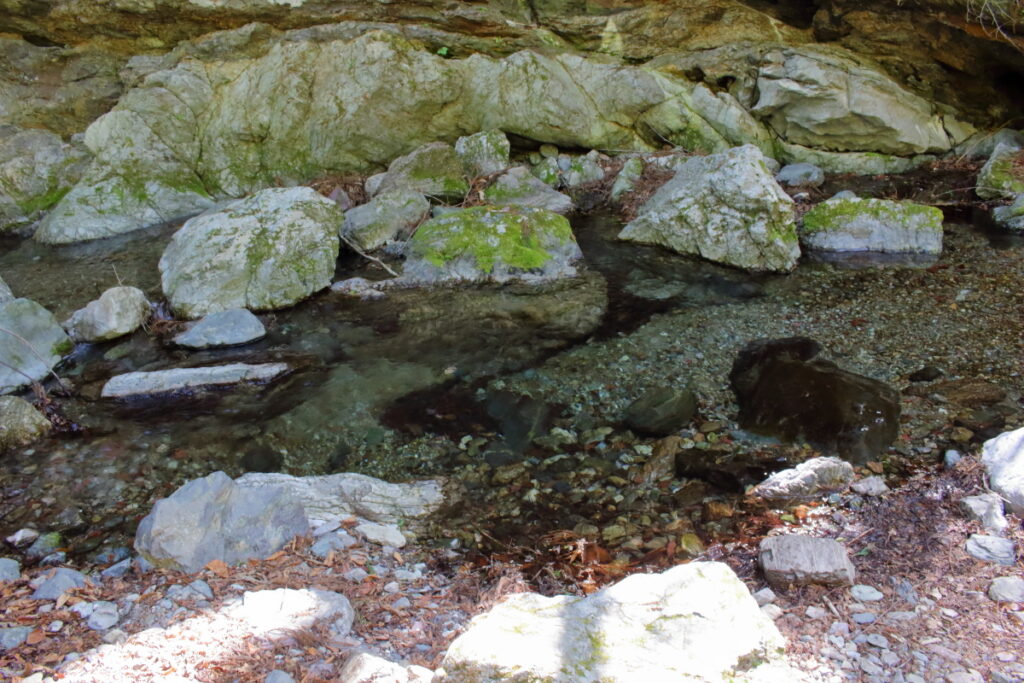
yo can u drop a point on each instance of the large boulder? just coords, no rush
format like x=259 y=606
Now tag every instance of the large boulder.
x=37 y=168
x=784 y=391
x=32 y=342
x=819 y=97
x=213 y=519
x=1002 y=176
x=1003 y=458
x=265 y=252
x=489 y=244
x=118 y=311
x=390 y=215
x=725 y=208
x=693 y=622
x=877 y=225
x=20 y=423
x=519 y=187
x=433 y=169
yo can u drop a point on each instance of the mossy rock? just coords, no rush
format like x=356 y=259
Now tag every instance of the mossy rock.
x=876 y=225
x=1002 y=176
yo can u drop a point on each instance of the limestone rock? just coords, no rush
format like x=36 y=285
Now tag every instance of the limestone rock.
x=519 y=187
x=118 y=311
x=36 y=169
x=390 y=215
x=20 y=422
x=1010 y=217
x=182 y=379
x=783 y=391
x=800 y=175
x=801 y=560
x=223 y=328
x=433 y=169
x=31 y=343
x=1002 y=176
x=214 y=519
x=819 y=97
x=855 y=163
x=1007 y=589
x=661 y=411
x=265 y=252
x=483 y=153
x=290 y=609
x=723 y=207
x=986 y=508
x=1003 y=458
x=992 y=549
x=381 y=534
x=877 y=225
x=807 y=481
x=695 y=621
x=338 y=496
x=487 y=244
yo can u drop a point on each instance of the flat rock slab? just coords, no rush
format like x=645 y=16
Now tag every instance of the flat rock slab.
x=179 y=379
x=224 y=328
x=802 y=560
x=992 y=549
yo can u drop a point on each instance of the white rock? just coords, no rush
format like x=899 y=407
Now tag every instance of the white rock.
x=870 y=486
x=1003 y=458
x=368 y=668
x=180 y=379
x=22 y=537
x=986 y=508
x=382 y=534
x=223 y=328
x=118 y=311
x=1007 y=589
x=32 y=344
x=103 y=616
x=291 y=609
x=805 y=482
x=800 y=560
x=992 y=549
x=865 y=593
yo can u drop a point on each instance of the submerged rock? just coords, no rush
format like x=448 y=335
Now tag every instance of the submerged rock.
x=20 y=422
x=391 y=215
x=1002 y=176
x=807 y=481
x=37 y=168
x=31 y=343
x=483 y=153
x=801 y=560
x=783 y=391
x=661 y=411
x=118 y=311
x=181 y=379
x=1003 y=458
x=725 y=208
x=519 y=187
x=265 y=252
x=877 y=225
x=487 y=244
x=214 y=519
x=224 y=328
x=695 y=621
x=433 y=169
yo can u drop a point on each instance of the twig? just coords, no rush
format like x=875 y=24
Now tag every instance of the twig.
x=351 y=245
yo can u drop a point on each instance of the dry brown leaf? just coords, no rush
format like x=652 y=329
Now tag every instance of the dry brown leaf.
x=218 y=567
x=35 y=637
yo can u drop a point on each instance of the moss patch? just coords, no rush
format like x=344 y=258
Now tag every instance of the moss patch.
x=837 y=213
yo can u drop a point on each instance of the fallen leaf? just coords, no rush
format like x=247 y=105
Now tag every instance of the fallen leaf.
x=35 y=637
x=218 y=567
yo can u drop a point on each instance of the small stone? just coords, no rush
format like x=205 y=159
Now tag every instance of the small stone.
x=800 y=175
x=402 y=603
x=992 y=549
x=55 y=626
x=765 y=596
x=392 y=587
x=104 y=616
x=23 y=537
x=864 y=617
x=987 y=509
x=11 y=638
x=202 y=588
x=951 y=458
x=116 y=571
x=878 y=640
x=802 y=560
x=52 y=585
x=866 y=593
x=278 y=676
x=661 y=411
x=839 y=628
x=870 y=486
x=381 y=534
x=815 y=612
x=965 y=677
x=869 y=667
x=331 y=543
x=773 y=612
x=114 y=635
x=355 y=574
x=1007 y=589
x=10 y=570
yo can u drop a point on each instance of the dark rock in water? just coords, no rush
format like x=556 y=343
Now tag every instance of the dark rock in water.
x=731 y=471
x=661 y=411
x=925 y=374
x=521 y=418
x=782 y=391
x=501 y=454
x=262 y=459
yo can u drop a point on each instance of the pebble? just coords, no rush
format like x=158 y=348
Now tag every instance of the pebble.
x=13 y=637
x=815 y=612
x=115 y=635
x=355 y=574
x=870 y=668
x=765 y=596
x=104 y=616
x=402 y=603
x=52 y=585
x=839 y=628
x=10 y=570
x=878 y=640
x=329 y=543
x=116 y=571
x=773 y=612
x=864 y=617
x=870 y=486
x=55 y=626
x=866 y=593
x=392 y=587
x=278 y=676
x=951 y=458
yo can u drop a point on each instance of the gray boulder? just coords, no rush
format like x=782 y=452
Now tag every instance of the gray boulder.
x=434 y=170
x=37 y=168
x=13 y=636
x=20 y=422
x=118 y=311
x=31 y=343
x=214 y=519
x=1001 y=177
x=800 y=175
x=1003 y=458
x=223 y=328
x=693 y=622
x=987 y=509
x=1011 y=216
x=519 y=187
x=992 y=549
x=483 y=153
x=725 y=208
x=265 y=252
x=182 y=379
x=807 y=481
x=10 y=570
x=802 y=560
x=877 y=225
x=56 y=582
x=482 y=244
x=391 y=215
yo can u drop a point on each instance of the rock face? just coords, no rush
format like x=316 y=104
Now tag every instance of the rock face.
x=213 y=519
x=1003 y=458
x=783 y=391
x=390 y=215
x=692 y=622
x=879 y=225
x=1002 y=176
x=182 y=379
x=224 y=328
x=483 y=153
x=725 y=208
x=487 y=244
x=268 y=251
x=20 y=423
x=817 y=97
x=118 y=311
x=807 y=481
x=31 y=343
x=519 y=187
x=37 y=168
x=802 y=560
x=434 y=170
